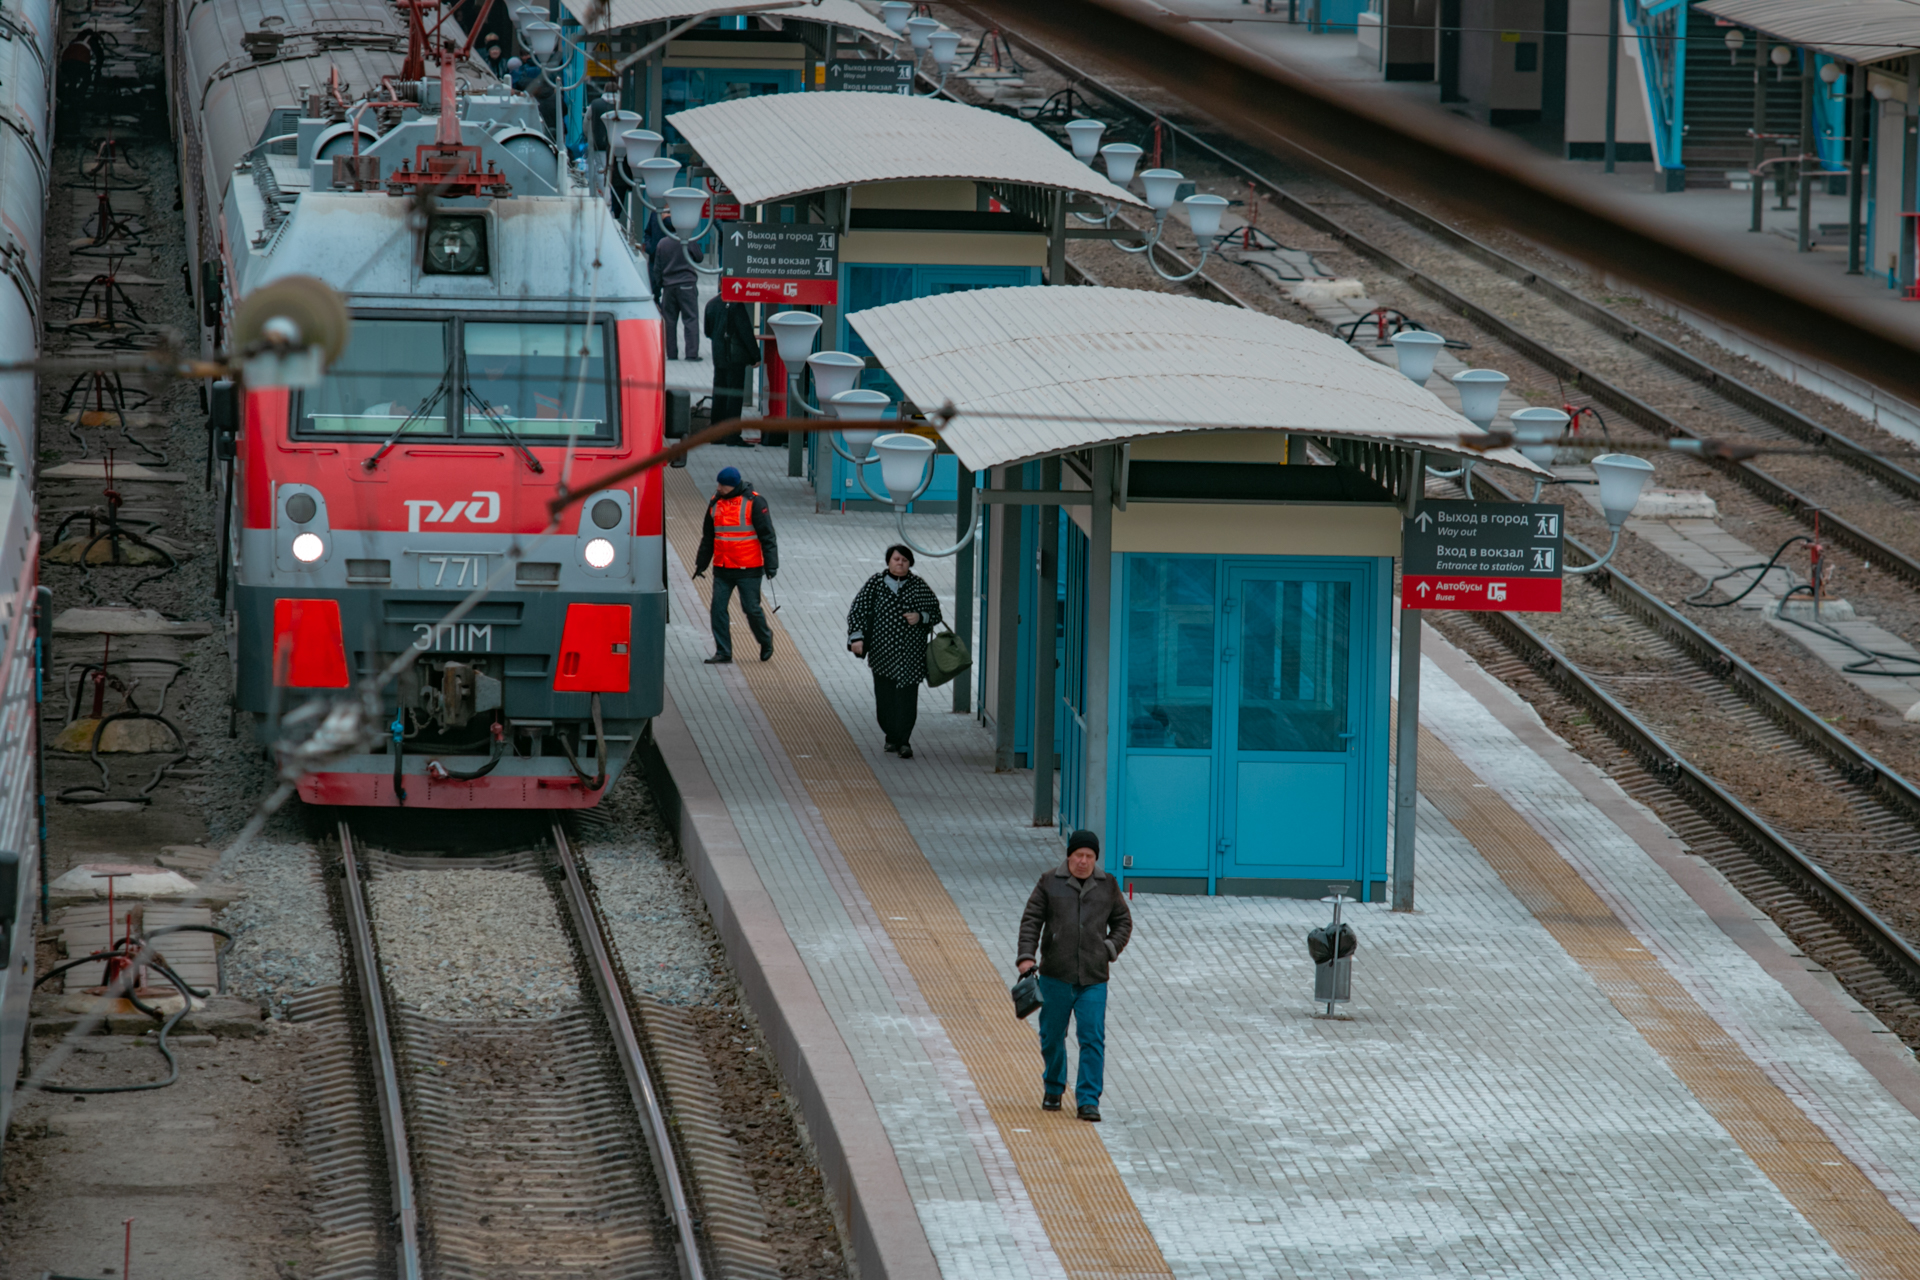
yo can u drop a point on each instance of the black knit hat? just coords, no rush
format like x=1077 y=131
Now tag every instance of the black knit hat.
x=1082 y=840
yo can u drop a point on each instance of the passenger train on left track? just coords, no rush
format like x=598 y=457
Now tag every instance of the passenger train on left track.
x=26 y=162
x=503 y=343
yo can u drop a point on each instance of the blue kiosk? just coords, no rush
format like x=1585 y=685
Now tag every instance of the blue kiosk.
x=1234 y=487
x=931 y=199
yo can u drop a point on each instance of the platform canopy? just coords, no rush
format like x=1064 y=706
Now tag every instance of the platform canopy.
x=1852 y=30
x=1040 y=370
x=612 y=15
x=791 y=144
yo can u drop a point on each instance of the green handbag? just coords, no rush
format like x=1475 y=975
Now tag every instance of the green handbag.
x=947 y=657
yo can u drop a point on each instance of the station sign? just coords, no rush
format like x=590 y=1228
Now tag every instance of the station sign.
x=782 y=263
x=1483 y=556
x=871 y=75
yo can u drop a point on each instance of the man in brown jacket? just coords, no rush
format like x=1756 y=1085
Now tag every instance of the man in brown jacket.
x=1078 y=923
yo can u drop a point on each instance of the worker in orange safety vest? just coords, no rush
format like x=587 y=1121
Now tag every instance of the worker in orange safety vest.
x=738 y=541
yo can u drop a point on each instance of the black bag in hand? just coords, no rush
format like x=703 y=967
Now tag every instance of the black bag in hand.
x=1026 y=993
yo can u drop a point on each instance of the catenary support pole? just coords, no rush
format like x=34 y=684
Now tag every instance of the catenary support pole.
x=1759 y=181
x=1856 y=161
x=1046 y=563
x=1613 y=80
x=1807 y=146
x=1099 y=629
x=1006 y=610
x=1909 y=162
x=1406 y=790
x=963 y=588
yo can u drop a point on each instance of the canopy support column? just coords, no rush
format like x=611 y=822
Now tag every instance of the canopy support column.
x=1406 y=780
x=1046 y=563
x=1006 y=694
x=963 y=582
x=1099 y=647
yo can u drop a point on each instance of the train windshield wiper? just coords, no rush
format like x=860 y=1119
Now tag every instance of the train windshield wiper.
x=426 y=407
x=493 y=415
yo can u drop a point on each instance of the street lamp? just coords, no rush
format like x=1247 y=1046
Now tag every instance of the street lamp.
x=1160 y=187
x=686 y=207
x=642 y=145
x=1415 y=350
x=1622 y=477
x=1084 y=137
x=793 y=333
x=1122 y=159
x=833 y=372
x=1532 y=428
x=906 y=468
x=860 y=406
x=1479 y=401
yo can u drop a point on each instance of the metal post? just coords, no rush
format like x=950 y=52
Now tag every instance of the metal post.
x=656 y=110
x=795 y=440
x=1759 y=127
x=1613 y=78
x=963 y=580
x=1006 y=695
x=1046 y=562
x=1406 y=798
x=1093 y=815
x=1057 y=238
x=1856 y=163
x=1909 y=136
x=1807 y=145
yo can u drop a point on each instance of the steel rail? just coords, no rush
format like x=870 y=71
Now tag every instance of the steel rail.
x=626 y=1042
x=1757 y=481
x=393 y=1123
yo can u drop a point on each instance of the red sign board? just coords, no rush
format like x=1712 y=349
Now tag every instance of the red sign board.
x=1480 y=595
x=792 y=293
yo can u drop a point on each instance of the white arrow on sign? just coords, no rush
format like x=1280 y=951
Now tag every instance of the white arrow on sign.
x=737 y=237
x=1423 y=590
x=1424 y=520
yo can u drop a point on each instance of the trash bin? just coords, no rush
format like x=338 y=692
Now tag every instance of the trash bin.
x=1331 y=948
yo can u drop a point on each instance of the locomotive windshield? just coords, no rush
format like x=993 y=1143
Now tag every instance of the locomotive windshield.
x=534 y=380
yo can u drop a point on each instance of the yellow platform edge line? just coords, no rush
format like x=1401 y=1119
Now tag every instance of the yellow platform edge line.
x=1827 y=1188
x=1090 y=1218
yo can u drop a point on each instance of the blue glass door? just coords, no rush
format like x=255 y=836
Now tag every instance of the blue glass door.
x=1292 y=724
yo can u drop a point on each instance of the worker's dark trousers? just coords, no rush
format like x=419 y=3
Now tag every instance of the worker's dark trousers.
x=682 y=300
x=747 y=583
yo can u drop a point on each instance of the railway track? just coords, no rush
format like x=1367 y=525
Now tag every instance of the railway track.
x=1656 y=367
x=1816 y=882
x=528 y=1146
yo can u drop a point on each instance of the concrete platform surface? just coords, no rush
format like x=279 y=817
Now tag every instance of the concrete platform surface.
x=1584 y=1054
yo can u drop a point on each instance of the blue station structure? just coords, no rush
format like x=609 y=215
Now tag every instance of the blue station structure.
x=1233 y=487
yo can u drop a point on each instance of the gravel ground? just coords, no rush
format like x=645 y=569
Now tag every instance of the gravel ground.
x=473 y=943
x=284 y=940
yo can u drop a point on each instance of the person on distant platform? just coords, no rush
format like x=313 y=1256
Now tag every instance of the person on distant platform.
x=1077 y=923
x=738 y=541
x=677 y=287
x=729 y=327
x=889 y=625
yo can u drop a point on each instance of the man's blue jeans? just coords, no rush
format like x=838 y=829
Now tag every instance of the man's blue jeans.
x=1087 y=1006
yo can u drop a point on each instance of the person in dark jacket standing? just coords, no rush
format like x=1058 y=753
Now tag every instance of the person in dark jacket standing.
x=737 y=540
x=729 y=327
x=677 y=285
x=889 y=625
x=1077 y=923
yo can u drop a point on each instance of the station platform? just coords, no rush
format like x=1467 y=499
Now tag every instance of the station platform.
x=1584 y=1054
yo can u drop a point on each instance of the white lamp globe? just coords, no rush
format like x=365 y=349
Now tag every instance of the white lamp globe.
x=685 y=207
x=860 y=405
x=833 y=373
x=1416 y=350
x=895 y=14
x=1480 y=394
x=1204 y=213
x=1160 y=186
x=920 y=31
x=542 y=37
x=640 y=144
x=1122 y=159
x=1533 y=426
x=944 y=45
x=1622 y=476
x=523 y=14
x=793 y=335
x=1084 y=137
x=659 y=175
x=903 y=464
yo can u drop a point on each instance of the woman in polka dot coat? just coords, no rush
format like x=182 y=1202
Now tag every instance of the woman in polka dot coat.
x=889 y=625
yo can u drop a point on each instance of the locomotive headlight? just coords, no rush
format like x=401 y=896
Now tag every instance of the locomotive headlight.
x=308 y=547
x=598 y=553
x=456 y=246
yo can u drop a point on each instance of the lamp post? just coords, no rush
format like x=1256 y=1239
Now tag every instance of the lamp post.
x=793 y=334
x=862 y=407
x=1159 y=187
x=1414 y=351
x=687 y=207
x=1533 y=428
x=1622 y=477
x=906 y=468
x=1479 y=401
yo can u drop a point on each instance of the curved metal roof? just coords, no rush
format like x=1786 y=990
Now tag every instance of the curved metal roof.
x=611 y=15
x=1853 y=30
x=790 y=144
x=1039 y=370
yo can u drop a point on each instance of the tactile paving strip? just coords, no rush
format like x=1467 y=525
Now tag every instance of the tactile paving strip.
x=1828 y=1189
x=1090 y=1219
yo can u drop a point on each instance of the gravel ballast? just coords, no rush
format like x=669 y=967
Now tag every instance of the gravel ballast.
x=283 y=936
x=473 y=943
